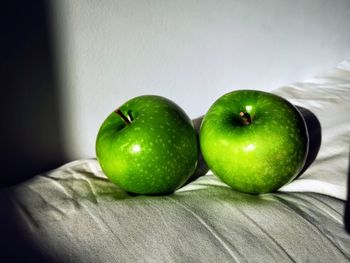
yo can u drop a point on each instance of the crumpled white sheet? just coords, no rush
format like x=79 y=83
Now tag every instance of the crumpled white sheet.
x=328 y=97
x=75 y=214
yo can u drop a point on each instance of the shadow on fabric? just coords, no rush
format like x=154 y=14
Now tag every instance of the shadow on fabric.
x=16 y=244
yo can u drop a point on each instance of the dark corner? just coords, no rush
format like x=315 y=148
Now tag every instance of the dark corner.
x=31 y=131
x=31 y=135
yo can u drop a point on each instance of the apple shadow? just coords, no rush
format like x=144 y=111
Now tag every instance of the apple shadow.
x=202 y=167
x=314 y=129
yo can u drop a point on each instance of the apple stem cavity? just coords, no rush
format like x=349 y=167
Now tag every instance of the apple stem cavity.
x=126 y=119
x=130 y=116
x=245 y=118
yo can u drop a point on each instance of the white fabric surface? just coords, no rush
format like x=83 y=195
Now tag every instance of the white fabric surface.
x=328 y=97
x=75 y=214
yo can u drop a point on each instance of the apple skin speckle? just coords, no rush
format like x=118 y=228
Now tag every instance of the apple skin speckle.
x=167 y=151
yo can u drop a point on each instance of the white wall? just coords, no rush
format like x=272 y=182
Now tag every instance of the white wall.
x=189 y=51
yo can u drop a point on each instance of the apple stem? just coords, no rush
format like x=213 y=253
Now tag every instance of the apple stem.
x=121 y=114
x=245 y=118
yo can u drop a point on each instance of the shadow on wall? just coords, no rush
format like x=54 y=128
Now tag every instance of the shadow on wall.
x=31 y=135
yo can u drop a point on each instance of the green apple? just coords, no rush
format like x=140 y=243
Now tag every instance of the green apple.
x=148 y=146
x=254 y=141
